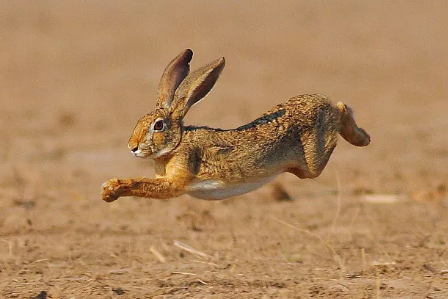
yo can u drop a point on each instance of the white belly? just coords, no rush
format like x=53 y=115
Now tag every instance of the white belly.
x=217 y=189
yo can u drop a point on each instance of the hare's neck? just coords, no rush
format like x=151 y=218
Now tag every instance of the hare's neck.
x=160 y=165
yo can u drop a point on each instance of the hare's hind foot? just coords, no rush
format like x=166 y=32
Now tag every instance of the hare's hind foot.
x=349 y=129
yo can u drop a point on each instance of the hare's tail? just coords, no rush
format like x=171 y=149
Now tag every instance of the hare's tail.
x=349 y=129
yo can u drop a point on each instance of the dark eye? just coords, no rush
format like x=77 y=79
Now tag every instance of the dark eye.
x=159 y=125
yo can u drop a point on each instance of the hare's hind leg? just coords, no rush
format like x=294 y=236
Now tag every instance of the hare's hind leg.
x=315 y=160
x=160 y=188
x=317 y=145
x=349 y=129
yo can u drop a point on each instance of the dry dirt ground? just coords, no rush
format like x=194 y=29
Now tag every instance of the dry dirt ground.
x=76 y=75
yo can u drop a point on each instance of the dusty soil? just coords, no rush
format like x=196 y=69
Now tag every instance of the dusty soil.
x=75 y=77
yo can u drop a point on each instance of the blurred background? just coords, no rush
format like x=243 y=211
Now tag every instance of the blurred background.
x=75 y=76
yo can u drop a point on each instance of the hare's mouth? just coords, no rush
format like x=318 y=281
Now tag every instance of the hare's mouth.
x=138 y=153
x=143 y=152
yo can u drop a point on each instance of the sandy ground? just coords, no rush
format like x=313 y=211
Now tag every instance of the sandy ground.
x=75 y=76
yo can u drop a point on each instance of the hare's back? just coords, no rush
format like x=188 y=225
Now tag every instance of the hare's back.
x=301 y=113
x=308 y=107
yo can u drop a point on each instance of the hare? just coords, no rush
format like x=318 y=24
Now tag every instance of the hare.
x=297 y=136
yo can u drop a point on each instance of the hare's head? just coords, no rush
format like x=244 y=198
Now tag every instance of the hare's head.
x=159 y=132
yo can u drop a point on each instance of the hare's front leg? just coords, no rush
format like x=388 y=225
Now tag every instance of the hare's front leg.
x=160 y=188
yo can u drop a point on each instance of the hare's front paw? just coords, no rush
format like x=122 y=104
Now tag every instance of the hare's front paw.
x=110 y=190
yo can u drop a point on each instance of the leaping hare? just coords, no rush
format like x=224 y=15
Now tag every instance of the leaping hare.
x=297 y=136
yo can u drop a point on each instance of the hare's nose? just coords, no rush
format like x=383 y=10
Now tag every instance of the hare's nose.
x=134 y=149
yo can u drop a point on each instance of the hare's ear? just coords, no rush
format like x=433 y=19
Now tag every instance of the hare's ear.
x=175 y=72
x=195 y=87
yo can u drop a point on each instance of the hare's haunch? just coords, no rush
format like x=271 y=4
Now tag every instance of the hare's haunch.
x=297 y=136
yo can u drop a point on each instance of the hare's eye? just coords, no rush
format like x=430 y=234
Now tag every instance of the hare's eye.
x=159 y=125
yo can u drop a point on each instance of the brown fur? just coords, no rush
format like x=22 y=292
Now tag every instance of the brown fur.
x=297 y=136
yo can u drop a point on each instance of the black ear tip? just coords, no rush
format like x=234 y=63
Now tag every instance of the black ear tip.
x=188 y=55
